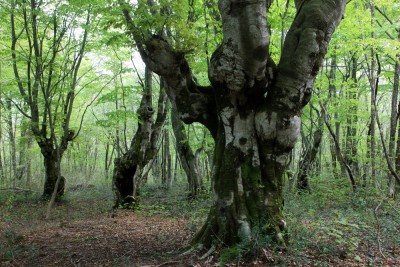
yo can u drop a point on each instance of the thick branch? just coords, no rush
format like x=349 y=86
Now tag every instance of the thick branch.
x=304 y=50
x=278 y=118
x=157 y=126
x=241 y=59
x=195 y=103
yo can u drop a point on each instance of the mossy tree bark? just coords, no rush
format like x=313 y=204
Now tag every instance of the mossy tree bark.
x=252 y=108
x=52 y=172
x=186 y=156
x=128 y=167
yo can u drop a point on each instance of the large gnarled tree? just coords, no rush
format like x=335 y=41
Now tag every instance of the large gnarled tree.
x=128 y=168
x=252 y=108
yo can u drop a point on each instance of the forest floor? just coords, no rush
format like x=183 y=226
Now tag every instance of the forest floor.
x=84 y=231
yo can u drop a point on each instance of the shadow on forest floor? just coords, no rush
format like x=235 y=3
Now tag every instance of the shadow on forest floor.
x=84 y=231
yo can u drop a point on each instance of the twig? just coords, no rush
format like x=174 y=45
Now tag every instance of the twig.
x=168 y=262
x=337 y=146
x=388 y=161
x=187 y=252
x=208 y=253
x=17 y=189
x=378 y=230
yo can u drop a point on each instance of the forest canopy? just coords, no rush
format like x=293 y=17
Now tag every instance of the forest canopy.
x=242 y=107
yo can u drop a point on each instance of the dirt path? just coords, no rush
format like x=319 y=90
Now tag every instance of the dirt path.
x=125 y=238
x=120 y=239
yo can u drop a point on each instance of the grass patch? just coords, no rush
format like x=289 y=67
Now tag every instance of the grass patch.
x=332 y=225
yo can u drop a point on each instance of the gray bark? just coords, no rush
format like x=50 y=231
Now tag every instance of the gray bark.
x=394 y=187
x=308 y=158
x=40 y=93
x=252 y=109
x=352 y=119
x=186 y=155
x=128 y=168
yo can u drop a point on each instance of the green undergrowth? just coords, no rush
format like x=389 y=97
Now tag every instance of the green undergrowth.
x=26 y=208
x=334 y=222
x=174 y=203
x=328 y=225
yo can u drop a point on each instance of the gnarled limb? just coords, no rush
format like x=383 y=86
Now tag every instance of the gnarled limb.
x=277 y=120
x=241 y=60
x=128 y=168
x=253 y=135
x=195 y=103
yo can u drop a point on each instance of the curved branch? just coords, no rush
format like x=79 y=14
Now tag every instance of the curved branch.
x=90 y=104
x=195 y=103
x=20 y=109
x=305 y=47
x=337 y=147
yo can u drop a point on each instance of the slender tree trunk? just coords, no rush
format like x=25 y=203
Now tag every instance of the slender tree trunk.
x=186 y=155
x=106 y=159
x=371 y=142
x=13 y=144
x=166 y=161
x=1 y=140
x=25 y=142
x=1 y=124
x=352 y=119
x=175 y=171
x=1 y=145
x=28 y=160
x=333 y=97
x=308 y=158
x=343 y=161
x=394 y=117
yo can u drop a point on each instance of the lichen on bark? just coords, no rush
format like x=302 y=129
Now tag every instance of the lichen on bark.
x=252 y=109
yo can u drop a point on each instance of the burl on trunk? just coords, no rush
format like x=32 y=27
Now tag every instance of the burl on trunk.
x=252 y=108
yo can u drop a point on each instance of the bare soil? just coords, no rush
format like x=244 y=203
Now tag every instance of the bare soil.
x=126 y=238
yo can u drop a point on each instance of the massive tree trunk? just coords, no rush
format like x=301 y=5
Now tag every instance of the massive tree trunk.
x=52 y=171
x=252 y=109
x=128 y=168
